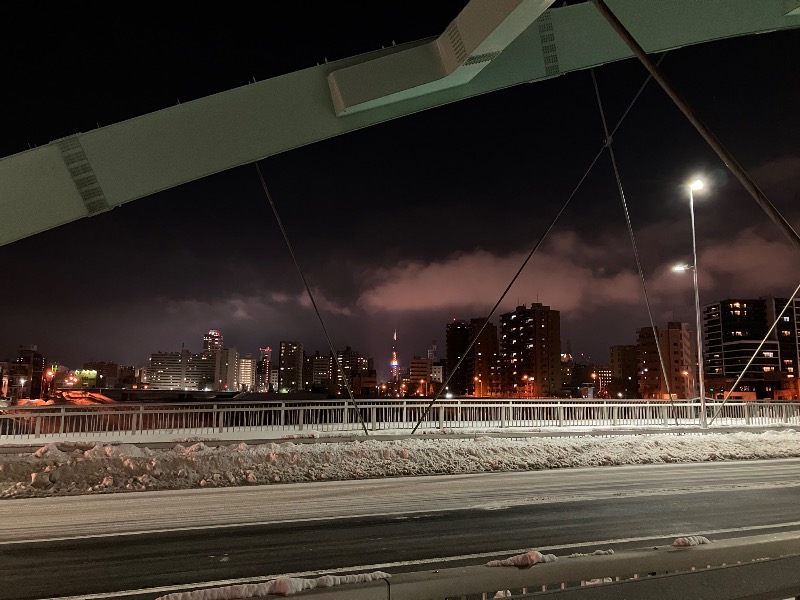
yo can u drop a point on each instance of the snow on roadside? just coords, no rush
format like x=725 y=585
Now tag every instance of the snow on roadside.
x=64 y=469
x=283 y=586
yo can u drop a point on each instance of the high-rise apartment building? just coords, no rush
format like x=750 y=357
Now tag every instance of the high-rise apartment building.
x=735 y=331
x=419 y=372
x=212 y=341
x=530 y=351
x=290 y=367
x=624 y=371
x=227 y=370
x=458 y=335
x=674 y=345
x=247 y=373
x=181 y=371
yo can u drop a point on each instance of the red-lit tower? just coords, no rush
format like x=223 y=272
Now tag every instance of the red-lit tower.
x=394 y=364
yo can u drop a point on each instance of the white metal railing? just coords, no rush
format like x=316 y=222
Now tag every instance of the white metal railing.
x=330 y=416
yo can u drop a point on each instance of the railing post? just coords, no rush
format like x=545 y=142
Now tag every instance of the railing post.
x=37 y=426
x=63 y=417
x=345 y=418
x=502 y=415
x=664 y=416
x=373 y=416
x=441 y=417
x=283 y=415
x=560 y=415
x=133 y=423
x=746 y=414
x=300 y=419
x=220 y=418
x=784 y=414
x=615 y=416
x=458 y=413
x=405 y=413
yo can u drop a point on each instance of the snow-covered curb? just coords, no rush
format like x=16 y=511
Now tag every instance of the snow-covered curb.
x=62 y=469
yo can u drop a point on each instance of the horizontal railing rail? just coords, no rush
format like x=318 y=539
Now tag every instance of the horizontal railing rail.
x=332 y=416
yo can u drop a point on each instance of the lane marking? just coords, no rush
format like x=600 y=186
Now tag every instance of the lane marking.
x=404 y=563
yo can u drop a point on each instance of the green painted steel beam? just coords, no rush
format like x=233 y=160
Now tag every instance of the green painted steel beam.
x=91 y=172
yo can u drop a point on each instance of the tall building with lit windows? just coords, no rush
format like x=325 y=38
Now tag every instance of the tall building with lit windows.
x=733 y=332
x=530 y=352
x=290 y=367
x=212 y=341
x=675 y=346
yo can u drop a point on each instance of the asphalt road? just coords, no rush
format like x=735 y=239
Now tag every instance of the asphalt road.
x=166 y=541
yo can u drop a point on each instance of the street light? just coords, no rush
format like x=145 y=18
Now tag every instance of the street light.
x=694 y=186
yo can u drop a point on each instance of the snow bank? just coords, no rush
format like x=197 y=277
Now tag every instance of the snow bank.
x=65 y=469
x=521 y=561
x=283 y=586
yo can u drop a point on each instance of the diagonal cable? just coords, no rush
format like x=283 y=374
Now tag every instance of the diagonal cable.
x=755 y=353
x=609 y=144
x=311 y=297
x=531 y=253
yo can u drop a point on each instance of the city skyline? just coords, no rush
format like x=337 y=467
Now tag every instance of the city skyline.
x=408 y=224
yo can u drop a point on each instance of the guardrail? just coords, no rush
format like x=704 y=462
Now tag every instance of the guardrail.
x=331 y=416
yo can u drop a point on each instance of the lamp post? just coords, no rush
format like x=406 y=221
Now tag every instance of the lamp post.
x=696 y=185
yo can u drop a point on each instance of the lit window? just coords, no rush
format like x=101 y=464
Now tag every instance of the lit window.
x=768 y=354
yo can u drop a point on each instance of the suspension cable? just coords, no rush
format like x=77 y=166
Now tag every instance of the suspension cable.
x=531 y=253
x=755 y=353
x=609 y=145
x=311 y=297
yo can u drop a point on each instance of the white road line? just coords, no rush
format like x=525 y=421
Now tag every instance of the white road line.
x=406 y=563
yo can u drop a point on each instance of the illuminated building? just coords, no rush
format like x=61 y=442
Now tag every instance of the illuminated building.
x=226 y=372
x=290 y=367
x=247 y=373
x=678 y=352
x=107 y=372
x=180 y=371
x=733 y=330
x=530 y=352
x=212 y=341
x=419 y=373
x=264 y=370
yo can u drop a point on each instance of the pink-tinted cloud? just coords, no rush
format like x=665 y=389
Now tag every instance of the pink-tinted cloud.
x=567 y=276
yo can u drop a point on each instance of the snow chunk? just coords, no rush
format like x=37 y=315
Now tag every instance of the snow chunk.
x=115 y=451
x=595 y=553
x=51 y=451
x=528 y=559
x=691 y=540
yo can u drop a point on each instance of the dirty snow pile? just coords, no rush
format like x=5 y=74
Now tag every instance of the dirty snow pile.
x=71 y=469
x=283 y=586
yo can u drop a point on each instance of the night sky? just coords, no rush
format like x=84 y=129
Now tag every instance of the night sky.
x=392 y=232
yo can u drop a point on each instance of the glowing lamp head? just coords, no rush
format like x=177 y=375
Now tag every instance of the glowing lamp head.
x=683 y=267
x=697 y=184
